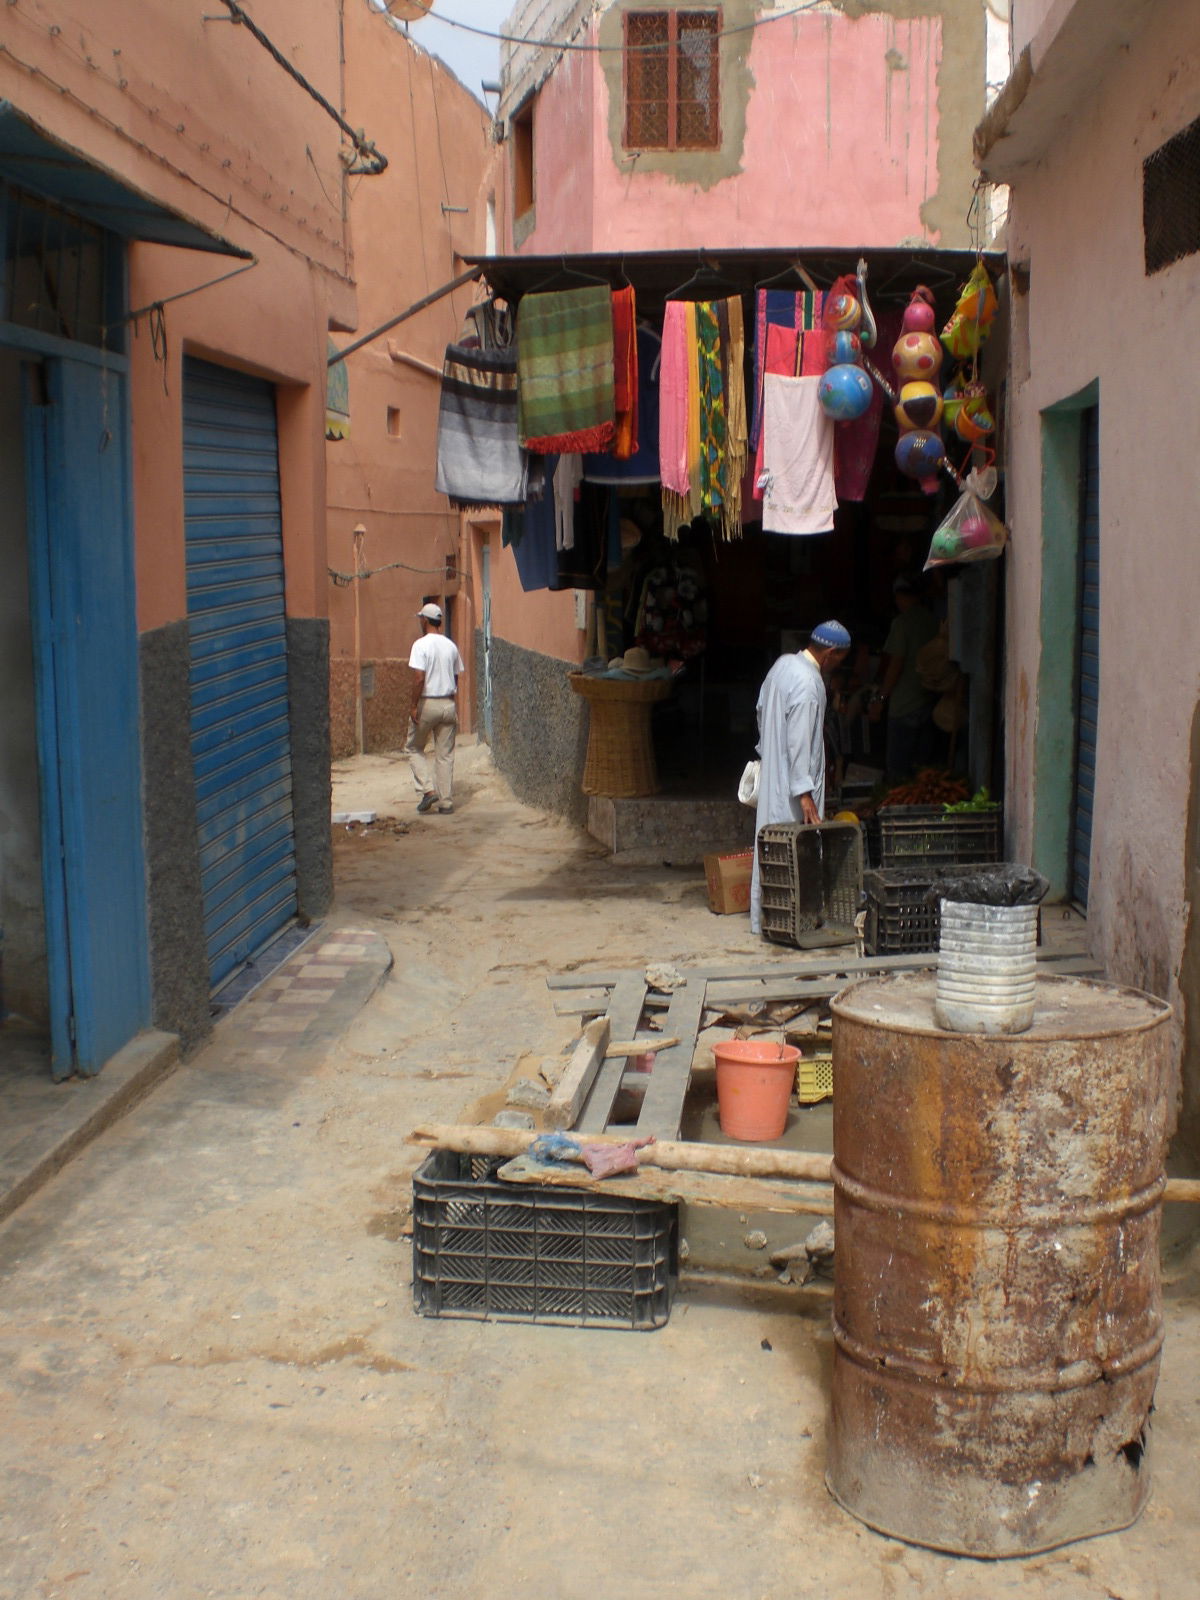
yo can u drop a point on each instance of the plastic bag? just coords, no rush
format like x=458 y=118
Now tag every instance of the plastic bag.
x=748 y=784
x=971 y=320
x=968 y=532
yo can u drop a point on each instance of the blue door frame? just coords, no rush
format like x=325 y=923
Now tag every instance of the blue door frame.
x=86 y=667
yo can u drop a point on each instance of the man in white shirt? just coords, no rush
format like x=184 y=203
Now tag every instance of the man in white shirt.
x=791 y=740
x=435 y=664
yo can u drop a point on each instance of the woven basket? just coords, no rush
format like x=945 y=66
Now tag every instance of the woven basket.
x=620 y=751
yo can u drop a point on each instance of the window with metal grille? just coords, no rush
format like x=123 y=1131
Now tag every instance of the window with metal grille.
x=1171 y=200
x=672 y=82
x=60 y=274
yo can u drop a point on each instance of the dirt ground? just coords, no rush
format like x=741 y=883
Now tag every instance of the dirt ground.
x=212 y=1381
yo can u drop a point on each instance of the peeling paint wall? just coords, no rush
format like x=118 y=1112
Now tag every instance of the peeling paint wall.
x=1094 y=316
x=845 y=126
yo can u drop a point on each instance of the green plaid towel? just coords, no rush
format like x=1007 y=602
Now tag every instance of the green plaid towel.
x=565 y=370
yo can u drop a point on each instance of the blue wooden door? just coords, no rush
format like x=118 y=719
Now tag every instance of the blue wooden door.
x=241 y=742
x=1087 y=704
x=85 y=651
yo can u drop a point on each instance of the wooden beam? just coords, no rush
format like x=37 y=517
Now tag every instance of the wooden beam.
x=662 y=1105
x=625 y=1014
x=682 y=1188
x=831 y=965
x=641 y=1047
x=572 y=1088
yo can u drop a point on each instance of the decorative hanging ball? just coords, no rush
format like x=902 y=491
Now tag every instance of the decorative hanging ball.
x=947 y=545
x=919 y=455
x=845 y=348
x=975 y=531
x=917 y=355
x=974 y=420
x=919 y=406
x=844 y=393
x=919 y=314
x=953 y=396
x=842 y=311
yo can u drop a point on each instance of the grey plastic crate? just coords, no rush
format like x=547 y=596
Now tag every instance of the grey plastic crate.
x=811 y=877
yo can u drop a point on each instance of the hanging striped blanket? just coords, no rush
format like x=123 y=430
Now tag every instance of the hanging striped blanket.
x=565 y=363
x=480 y=462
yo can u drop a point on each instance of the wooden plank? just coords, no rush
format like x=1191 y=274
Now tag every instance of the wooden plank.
x=581 y=1002
x=572 y=1088
x=686 y=1188
x=639 y=1047
x=662 y=1107
x=864 y=965
x=733 y=1160
x=624 y=1014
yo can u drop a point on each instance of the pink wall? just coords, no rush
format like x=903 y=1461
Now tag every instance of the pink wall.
x=1091 y=313
x=836 y=131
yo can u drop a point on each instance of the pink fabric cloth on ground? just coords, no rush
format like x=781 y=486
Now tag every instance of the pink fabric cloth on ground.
x=798 y=486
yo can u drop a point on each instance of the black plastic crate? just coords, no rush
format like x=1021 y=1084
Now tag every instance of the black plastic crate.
x=520 y=1252
x=928 y=836
x=811 y=878
x=898 y=919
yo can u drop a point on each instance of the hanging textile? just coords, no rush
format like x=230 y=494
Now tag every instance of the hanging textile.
x=337 y=397
x=713 y=439
x=736 y=428
x=855 y=443
x=702 y=414
x=679 y=417
x=567 y=478
x=565 y=362
x=642 y=466
x=528 y=531
x=782 y=359
x=801 y=313
x=480 y=463
x=625 y=373
x=798 y=488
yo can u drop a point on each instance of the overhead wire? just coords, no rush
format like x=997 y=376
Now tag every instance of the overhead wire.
x=612 y=49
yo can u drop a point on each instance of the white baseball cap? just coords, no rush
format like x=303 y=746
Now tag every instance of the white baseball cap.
x=431 y=612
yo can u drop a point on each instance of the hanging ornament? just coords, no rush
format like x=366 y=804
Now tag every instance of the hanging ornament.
x=920 y=454
x=844 y=393
x=844 y=348
x=919 y=406
x=919 y=314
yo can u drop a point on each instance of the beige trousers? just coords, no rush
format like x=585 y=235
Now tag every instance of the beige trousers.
x=437 y=719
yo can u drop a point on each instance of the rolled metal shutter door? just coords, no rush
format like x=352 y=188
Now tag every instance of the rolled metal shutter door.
x=241 y=740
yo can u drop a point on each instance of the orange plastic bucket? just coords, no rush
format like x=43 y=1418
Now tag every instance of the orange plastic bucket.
x=755 y=1078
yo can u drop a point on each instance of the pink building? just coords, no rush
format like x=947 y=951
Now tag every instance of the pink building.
x=1098 y=133
x=410 y=229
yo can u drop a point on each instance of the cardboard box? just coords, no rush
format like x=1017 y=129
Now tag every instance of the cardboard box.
x=728 y=880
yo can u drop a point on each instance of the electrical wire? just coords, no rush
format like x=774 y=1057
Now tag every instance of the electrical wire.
x=344 y=579
x=613 y=49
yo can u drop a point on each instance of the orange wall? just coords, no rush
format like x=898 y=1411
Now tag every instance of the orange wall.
x=405 y=245
x=198 y=116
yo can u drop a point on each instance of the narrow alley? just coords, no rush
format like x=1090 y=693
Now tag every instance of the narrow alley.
x=213 y=1379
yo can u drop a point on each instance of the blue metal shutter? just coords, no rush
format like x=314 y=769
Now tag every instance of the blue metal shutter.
x=241 y=744
x=1087 y=707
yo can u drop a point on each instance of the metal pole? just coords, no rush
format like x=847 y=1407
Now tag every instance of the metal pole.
x=418 y=305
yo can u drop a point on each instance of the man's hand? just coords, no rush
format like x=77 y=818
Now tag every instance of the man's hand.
x=809 y=809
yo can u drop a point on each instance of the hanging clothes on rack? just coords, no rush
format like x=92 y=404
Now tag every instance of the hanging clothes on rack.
x=480 y=462
x=642 y=466
x=529 y=532
x=797 y=481
x=679 y=417
x=800 y=313
x=702 y=414
x=855 y=443
x=565 y=364
x=625 y=373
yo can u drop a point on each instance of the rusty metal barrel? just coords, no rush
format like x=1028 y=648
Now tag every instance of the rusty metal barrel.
x=998 y=1303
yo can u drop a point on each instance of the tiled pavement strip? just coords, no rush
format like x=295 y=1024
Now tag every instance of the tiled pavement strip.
x=289 y=1022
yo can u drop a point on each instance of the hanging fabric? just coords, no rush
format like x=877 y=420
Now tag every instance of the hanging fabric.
x=702 y=414
x=800 y=312
x=480 y=463
x=337 y=397
x=625 y=373
x=565 y=362
x=797 y=481
x=679 y=417
x=642 y=465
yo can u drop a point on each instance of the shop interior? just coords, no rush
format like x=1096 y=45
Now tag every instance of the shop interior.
x=721 y=610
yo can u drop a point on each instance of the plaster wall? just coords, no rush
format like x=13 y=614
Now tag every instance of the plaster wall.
x=405 y=246
x=844 y=127
x=1091 y=314
x=543 y=621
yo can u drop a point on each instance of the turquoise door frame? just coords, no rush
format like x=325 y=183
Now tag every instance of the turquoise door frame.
x=86 y=673
x=1063 y=426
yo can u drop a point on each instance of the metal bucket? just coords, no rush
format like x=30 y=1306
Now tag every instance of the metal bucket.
x=987 y=966
x=997 y=1308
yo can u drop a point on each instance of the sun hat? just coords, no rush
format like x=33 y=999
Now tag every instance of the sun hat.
x=636 y=661
x=430 y=612
x=830 y=636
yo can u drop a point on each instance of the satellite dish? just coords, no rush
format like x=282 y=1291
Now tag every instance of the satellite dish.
x=408 y=10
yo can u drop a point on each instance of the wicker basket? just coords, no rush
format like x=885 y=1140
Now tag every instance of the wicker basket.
x=620 y=751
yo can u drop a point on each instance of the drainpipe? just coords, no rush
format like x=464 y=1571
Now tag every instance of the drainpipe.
x=360 y=533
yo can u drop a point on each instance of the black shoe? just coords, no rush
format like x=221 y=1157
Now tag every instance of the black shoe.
x=427 y=802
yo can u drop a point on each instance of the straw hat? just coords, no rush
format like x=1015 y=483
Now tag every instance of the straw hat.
x=637 y=661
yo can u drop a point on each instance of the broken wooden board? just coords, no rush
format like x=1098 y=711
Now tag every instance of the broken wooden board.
x=572 y=1088
x=625 y=1014
x=682 y=1188
x=641 y=1047
x=662 y=1105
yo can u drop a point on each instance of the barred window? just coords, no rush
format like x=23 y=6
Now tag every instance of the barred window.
x=1171 y=200
x=672 y=84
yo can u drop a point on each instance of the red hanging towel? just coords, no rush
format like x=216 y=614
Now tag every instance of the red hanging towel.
x=625 y=372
